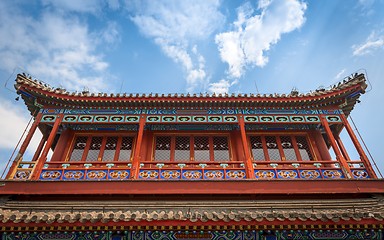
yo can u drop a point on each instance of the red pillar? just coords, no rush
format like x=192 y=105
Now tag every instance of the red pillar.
x=136 y=157
x=358 y=147
x=40 y=163
x=339 y=156
x=342 y=148
x=24 y=146
x=39 y=149
x=248 y=162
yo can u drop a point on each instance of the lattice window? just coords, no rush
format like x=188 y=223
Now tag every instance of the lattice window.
x=257 y=148
x=163 y=148
x=304 y=149
x=94 y=149
x=201 y=149
x=182 y=148
x=78 y=148
x=126 y=149
x=288 y=148
x=110 y=149
x=220 y=149
x=273 y=148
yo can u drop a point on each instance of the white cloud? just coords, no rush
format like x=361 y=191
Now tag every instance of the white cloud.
x=74 y=5
x=175 y=26
x=54 y=47
x=221 y=86
x=372 y=43
x=340 y=74
x=13 y=122
x=254 y=34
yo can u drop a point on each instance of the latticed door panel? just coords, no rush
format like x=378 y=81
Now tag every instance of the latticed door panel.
x=94 y=149
x=78 y=148
x=273 y=148
x=257 y=148
x=182 y=148
x=126 y=149
x=110 y=149
x=201 y=148
x=288 y=148
x=304 y=148
x=163 y=148
x=220 y=149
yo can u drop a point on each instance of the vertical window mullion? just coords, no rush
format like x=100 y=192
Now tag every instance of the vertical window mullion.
x=102 y=148
x=294 y=143
x=86 y=149
x=173 y=144
x=315 y=152
x=211 y=151
x=192 y=148
x=265 y=149
x=118 y=146
x=282 y=154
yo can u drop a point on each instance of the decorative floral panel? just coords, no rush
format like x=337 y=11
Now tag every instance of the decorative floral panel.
x=170 y=174
x=192 y=174
x=213 y=174
x=287 y=174
x=22 y=174
x=50 y=175
x=310 y=174
x=360 y=173
x=235 y=174
x=332 y=173
x=148 y=174
x=265 y=174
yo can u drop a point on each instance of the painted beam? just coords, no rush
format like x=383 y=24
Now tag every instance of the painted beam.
x=259 y=187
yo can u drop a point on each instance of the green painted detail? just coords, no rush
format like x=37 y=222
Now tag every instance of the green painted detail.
x=323 y=234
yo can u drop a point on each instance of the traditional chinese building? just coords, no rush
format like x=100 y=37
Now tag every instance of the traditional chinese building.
x=191 y=166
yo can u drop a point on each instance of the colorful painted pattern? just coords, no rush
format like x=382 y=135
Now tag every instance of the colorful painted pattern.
x=215 y=235
x=170 y=174
x=226 y=111
x=265 y=174
x=235 y=174
x=50 y=175
x=192 y=174
x=148 y=174
x=118 y=174
x=89 y=118
x=287 y=174
x=73 y=175
x=214 y=174
x=22 y=174
x=310 y=174
x=332 y=173
x=58 y=236
x=360 y=173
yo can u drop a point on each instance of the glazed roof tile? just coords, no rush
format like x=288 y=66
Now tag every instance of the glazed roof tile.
x=332 y=210
x=343 y=94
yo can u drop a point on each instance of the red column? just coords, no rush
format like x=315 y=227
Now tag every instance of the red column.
x=136 y=157
x=248 y=162
x=358 y=147
x=339 y=156
x=24 y=146
x=39 y=149
x=40 y=163
x=342 y=148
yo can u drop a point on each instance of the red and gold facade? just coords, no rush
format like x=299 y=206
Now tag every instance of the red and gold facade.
x=229 y=150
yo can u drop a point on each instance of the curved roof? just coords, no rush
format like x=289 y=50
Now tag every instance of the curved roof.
x=343 y=95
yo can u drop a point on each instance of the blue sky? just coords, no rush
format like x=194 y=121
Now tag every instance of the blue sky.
x=270 y=46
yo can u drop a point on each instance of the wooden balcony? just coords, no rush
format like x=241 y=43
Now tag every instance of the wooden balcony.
x=173 y=171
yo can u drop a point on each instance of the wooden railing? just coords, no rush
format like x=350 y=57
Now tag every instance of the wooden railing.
x=230 y=170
